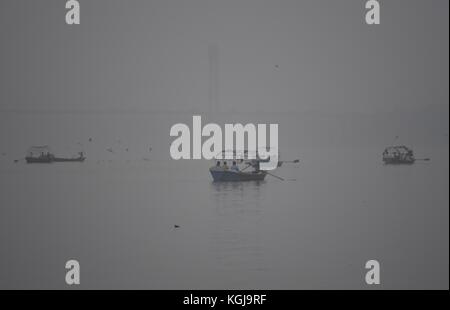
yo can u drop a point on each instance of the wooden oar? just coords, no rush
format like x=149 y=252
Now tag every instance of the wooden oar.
x=424 y=159
x=275 y=176
x=246 y=167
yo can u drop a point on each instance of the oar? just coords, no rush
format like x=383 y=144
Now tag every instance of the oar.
x=296 y=161
x=246 y=167
x=424 y=159
x=275 y=176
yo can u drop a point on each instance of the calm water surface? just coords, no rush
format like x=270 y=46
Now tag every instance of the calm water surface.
x=317 y=229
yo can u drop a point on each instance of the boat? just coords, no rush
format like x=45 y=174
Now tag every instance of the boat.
x=43 y=155
x=234 y=167
x=398 y=155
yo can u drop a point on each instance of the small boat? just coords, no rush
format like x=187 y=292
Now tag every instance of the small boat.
x=234 y=167
x=43 y=155
x=398 y=155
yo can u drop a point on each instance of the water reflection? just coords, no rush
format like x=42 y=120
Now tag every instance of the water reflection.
x=236 y=240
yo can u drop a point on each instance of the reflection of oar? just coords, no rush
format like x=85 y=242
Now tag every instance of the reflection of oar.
x=296 y=161
x=275 y=176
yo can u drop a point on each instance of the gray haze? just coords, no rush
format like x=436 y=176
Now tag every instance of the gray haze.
x=339 y=89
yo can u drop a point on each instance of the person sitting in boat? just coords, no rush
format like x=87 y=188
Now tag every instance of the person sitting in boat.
x=218 y=164
x=234 y=167
x=225 y=166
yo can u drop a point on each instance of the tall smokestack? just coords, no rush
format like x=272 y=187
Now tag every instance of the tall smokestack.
x=213 y=88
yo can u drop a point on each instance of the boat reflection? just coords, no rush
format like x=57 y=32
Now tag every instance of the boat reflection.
x=236 y=240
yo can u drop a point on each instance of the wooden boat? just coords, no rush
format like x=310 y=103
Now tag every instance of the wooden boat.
x=398 y=155
x=234 y=168
x=42 y=155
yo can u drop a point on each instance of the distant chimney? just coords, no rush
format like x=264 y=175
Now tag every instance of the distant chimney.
x=213 y=87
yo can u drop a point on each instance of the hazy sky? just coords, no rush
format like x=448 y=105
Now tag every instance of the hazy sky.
x=134 y=68
x=284 y=55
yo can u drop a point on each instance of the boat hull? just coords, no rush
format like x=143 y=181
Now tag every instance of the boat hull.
x=236 y=176
x=393 y=161
x=38 y=160
x=69 y=160
x=49 y=160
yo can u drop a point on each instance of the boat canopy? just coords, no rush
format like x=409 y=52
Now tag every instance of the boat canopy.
x=399 y=149
x=38 y=150
x=239 y=154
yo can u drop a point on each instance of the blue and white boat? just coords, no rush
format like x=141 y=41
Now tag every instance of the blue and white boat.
x=240 y=167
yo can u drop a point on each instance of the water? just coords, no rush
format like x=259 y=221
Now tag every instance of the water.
x=317 y=229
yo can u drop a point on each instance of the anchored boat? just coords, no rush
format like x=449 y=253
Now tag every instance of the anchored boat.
x=398 y=155
x=43 y=155
x=238 y=167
